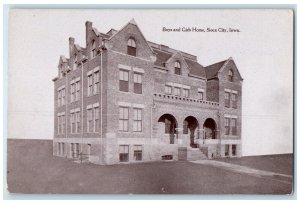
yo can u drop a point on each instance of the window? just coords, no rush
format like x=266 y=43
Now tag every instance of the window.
x=90 y=120
x=123 y=82
x=233 y=126
x=94 y=53
x=137 y=120
x=233 y=150
x=59 y=125
x=227 y=99
x=96 y=82
x=58 y=148
x=131 y=47
x=177 y=68
x=59 y=98
x=63 y=96
x=200 y=95
x=77 y=116
x=168 y=89
x=124 y=152
x=137 y=80
x=176 y=91
x=233 y=99
x=123 y=118
x=90 y=85
x=75 y=150
x=137 y=152
x=96 y=115
x=73 y=92
x=230 y=75
x=167 y=157
x=77 y=87
x=185 y=92
x=226 y=150
x=63 y=148
x=75 y=61
x=63 y=122
x=73 y=123
x=227 y=126
x=167 y=126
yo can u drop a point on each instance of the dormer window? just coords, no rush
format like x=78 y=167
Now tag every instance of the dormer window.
x=94 y=53
x=131 y=47
x=230 y=75
x=177 y=68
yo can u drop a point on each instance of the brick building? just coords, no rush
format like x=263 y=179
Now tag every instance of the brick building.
x=122 y=98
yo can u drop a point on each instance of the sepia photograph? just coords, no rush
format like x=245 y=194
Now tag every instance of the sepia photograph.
x=150 y=101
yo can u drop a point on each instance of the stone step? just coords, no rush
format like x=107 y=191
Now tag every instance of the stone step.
x=195 y=154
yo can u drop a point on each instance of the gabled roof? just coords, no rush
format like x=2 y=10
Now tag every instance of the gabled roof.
x=96 y=31
x=161 y=57
x=78 y=48
x=132 y=21
x=63 y=58
x=212 y=70
x=195 y=68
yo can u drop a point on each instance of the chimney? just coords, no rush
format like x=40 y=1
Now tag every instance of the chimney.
x=71 y=46
x=88 y=29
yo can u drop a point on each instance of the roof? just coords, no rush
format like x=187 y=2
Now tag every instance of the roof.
x=63 y=58
x=195 y=68
x=161 y=57
x=212 y=70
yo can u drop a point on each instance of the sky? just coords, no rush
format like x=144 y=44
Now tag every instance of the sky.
x=262 y=51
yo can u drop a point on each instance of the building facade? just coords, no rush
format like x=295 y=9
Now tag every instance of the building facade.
x=122 y=98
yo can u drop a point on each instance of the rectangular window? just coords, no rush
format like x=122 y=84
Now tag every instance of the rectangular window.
x=73 y=124
x=233 y=126
x=176 y=91
x=59 y=98
x=124 y=80
x=77 y=94
x=168 y=89
x=96 y=116
x=185 y=93
x=58 y=148
x=124 y=152
x=90 y=120
x=137 y=80
x=137 y=152
x=63 y=149
x=77 y=122
x=96 y=82
x=72 y=91
x=137 y=120
x=90 y=85
x=177 y=71
x=75 y=150
x=58 y=124
x=63 y=96
x=123 y=118
x=63 y=124
x=227 y=126
x=233 y=150
x=226 y=150
x=227 y=99
x=200 y=95
x=234 y=101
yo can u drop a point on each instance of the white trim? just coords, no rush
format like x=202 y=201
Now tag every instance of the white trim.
x=96 y=69
x=186 y=87
x=139 y=70
x=60 y=114
x=122 y=66
x=136 y=105
x=89 y=73
x=96 y=105
x=234 y=116
x=72 y=111
x=77 y=110
x=177 y=85
x=235 y=92
x=228 y=90
x=169 y=84
x=201 y=90
x=61 y=87
x=120 y=103
x=160 y=70
x=227 y=116
x=89 y=106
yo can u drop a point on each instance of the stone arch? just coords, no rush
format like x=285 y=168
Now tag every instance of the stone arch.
x=169 y=122
x=190 y=126
x=210 y=128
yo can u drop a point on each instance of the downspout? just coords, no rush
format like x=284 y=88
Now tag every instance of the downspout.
x=101 y=106
x=81 y=118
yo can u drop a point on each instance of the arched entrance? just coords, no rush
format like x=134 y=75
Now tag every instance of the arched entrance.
x=209 y=127
x=170 y=125
x=190 y=125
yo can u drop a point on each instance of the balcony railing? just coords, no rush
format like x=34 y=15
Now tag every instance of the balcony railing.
x=184 y=99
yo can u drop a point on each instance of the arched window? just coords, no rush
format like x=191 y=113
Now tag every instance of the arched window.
x=230 y=75
x=93 y=49
x=131 y=47
x=177 y=68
